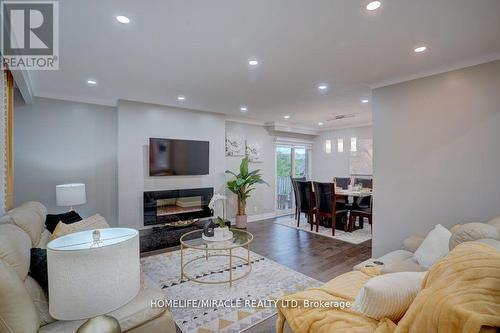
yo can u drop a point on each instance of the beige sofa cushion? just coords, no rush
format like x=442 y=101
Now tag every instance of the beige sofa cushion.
x=389 y=295
x=40 y=300
x=412 y=243
x=406 y=265
x=15 y=247
x=44 y=239
x=17 y=311
x=495 y=222
x=29 y=220
x=135 y=313
x=38 y=208
x=93 y=222
x=471 y=232
x=389 y=258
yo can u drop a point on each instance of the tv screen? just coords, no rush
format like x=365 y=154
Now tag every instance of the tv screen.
x=170 y=157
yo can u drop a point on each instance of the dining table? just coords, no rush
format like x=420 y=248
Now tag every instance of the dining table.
x=342 y=195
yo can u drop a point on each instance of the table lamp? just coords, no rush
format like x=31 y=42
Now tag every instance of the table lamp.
x=70 y=195
x=92 y=273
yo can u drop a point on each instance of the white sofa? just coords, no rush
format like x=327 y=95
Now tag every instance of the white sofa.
x=23 y=303
x=403 y=260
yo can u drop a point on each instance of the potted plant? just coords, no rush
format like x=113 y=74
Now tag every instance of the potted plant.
x=242 y=184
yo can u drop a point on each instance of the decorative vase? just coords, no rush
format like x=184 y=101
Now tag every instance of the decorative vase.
x=221 y=233
x=241 y=221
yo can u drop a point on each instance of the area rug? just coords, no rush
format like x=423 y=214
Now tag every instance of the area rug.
x=249 y=300
x=356 y=237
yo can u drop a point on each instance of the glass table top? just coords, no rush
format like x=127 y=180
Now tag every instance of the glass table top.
x=194 y=240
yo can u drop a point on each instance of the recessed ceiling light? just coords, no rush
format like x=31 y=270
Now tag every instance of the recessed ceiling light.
x=253 y=62
x=373 y=5
x=181 y=98
x=92 y=82
x=320 y=123
x=243 y=109
x=322 y=87
x=123 y=19
x=286 y=117
x=420 y=49
x=364 y=101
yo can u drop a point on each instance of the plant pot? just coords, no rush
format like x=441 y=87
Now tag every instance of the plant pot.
x=241 y=221
x=221 y=233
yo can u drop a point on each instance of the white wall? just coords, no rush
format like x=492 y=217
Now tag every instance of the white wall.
x=60 y=142
x=2 y=143
x=436 y=153
x=137 y=122
x=262 y=200
x=326 y=166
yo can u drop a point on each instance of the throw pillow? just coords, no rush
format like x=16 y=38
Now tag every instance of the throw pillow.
x=471 y=232
x=388 y=295
x=434 y=246
x=38 y=268
x=90 y=223
x=52 y=220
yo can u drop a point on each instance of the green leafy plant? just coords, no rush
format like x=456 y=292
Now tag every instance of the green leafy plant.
x=244 y=183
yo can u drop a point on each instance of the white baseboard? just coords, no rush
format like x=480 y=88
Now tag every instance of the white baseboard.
x=265 y=216
x=260 y=217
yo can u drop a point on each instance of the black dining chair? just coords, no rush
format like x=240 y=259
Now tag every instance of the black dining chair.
x=327 y=206
x=305 y=201
x=363 y=202
x=342 y=182
x=295 y=194
x=365 y=182
x=361 y=211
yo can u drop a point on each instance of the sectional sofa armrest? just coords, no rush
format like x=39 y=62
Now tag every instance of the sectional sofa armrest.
x=412 y=243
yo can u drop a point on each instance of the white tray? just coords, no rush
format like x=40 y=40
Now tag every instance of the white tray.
x=213 y=239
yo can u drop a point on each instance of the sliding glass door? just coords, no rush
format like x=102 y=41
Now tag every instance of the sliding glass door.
x=291 y=161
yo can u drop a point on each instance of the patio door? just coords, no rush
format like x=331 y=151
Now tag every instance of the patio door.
x=292 y=160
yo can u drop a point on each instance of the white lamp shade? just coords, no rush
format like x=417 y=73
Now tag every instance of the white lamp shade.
x=87 y=280
x=70 y=194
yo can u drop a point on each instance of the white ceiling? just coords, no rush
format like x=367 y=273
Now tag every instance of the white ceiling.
x=200 y=49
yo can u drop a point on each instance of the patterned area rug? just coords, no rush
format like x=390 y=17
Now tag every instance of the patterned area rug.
x=267 y=280
x=356 y=237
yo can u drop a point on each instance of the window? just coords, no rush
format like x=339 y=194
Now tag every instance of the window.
x=293 y=160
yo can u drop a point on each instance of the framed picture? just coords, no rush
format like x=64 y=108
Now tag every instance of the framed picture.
x=235 y=145
x=361 y=161
x=254 y=152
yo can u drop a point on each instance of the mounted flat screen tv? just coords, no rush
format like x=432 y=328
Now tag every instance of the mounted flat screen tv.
x=170 y=157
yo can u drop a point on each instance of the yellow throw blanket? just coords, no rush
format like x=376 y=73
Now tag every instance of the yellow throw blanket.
x=461 y=293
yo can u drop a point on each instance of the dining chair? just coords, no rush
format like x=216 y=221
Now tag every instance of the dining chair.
x=365 y=182
x=342 y=182
x=363 y=202
x=305 y=201
x=295 y=194
x=361 y=211
x=327 y=205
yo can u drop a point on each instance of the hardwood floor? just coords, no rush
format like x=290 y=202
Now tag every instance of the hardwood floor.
x=316 y=256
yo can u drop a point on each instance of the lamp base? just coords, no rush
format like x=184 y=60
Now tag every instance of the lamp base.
x=100 y=324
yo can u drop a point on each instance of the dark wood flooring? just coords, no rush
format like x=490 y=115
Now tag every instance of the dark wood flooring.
x=316 y=256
